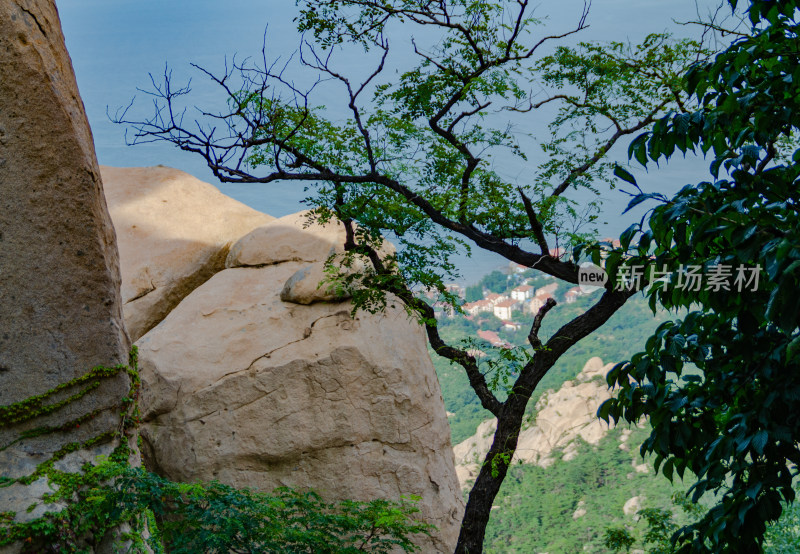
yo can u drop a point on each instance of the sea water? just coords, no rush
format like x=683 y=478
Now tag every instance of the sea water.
x=115 y=46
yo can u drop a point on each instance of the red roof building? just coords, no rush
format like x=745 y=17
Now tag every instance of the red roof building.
x=492 y=338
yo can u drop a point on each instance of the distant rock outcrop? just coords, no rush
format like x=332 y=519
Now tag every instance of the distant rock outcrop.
x=174 y=232
x=561 y=417
x=244 y=387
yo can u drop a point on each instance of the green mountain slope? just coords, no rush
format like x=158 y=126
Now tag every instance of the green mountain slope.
x=623 y=335
x=568 y=506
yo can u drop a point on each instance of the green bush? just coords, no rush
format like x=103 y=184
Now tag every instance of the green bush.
x=213 y=518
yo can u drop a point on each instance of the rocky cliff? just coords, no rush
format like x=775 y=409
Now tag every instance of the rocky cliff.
x=254 y=376
x=60 y=308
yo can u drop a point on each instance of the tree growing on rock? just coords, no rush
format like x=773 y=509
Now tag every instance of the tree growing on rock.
x=416 y=158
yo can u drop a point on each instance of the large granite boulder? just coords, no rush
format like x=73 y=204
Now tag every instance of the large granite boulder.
x=241 y=386
x=291 y=238
x=300 y=237
x=174 y=232
x=60 y=302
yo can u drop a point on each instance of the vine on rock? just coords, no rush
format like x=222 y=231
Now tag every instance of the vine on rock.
x=142 y=512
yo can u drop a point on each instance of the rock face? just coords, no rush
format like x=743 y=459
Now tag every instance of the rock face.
x=174 y=232
x=59 y=300
x=244 y=387
x=562 y=416
x=632 y=505
x=59 y=276
x=288 y=239
x=263 y=393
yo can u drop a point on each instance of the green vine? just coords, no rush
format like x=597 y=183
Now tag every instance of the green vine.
x=69 y=486
x=185 y=518
x=34 y=407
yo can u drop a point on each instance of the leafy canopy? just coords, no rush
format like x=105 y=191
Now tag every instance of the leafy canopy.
x=421 y=156
x=721 y=387
x=423 y=151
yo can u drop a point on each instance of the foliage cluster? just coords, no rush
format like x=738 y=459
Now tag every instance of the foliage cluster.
x=736 y=424
x=535 y=512
x=189 y=518
x=621 y=335
x=543 y=510
x=147 y=513
x=782 y=536
x=418 y=158
x=659 y=526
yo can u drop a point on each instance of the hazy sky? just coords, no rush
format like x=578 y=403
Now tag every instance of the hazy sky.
x=115 y=44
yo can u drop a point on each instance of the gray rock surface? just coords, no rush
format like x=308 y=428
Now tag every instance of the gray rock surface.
x=244 y=387
x=60 y=308
x=290 y=238
x=59 y=300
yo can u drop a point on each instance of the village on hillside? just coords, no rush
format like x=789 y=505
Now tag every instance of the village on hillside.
x=506 y=303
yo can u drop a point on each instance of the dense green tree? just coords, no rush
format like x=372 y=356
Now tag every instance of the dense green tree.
x=473 y=293
x=721 y=386
x=210 y=518
x=496 y=281
x=414 y=159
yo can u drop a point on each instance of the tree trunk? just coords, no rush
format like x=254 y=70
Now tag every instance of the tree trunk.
x=487 y=485
x=509 y=422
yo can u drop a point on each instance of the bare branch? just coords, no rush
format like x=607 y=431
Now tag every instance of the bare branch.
x=533 y=336
x=605 y=147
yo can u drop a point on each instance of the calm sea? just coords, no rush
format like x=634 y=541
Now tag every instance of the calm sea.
x=116 y=45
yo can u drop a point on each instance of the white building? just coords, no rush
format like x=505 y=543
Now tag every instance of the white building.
x=511 y=326
x=548 y=289
x=503 y=309
x=572 y=295
x=538 y=301
x=522 y=293
x=493 y=298
x=473 y=308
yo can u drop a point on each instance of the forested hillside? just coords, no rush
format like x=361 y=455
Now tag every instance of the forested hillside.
x=575 y=504
x=624 y=332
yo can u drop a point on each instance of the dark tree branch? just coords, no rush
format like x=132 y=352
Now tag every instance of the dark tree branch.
x=324 y=66
x=604 y=148
x=466 y=114
x=536 y=225
x=264 y=128
x=533 y=336
x=509 y=422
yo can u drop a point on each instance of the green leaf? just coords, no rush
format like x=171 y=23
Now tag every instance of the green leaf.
x=760 y=441
x=624 y=175
x=792 y=349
